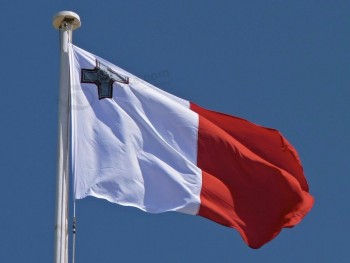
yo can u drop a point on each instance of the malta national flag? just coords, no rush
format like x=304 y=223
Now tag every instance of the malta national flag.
x=136 y=145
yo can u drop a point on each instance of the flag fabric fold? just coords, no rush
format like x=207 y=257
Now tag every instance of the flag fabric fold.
x=136 y=145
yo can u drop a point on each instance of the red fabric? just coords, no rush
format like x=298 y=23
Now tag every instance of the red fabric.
x=253 y=180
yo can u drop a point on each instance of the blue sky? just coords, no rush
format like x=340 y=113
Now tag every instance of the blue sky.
x=281 y=64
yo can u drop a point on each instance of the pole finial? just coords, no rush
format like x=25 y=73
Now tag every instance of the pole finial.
x=68 y=16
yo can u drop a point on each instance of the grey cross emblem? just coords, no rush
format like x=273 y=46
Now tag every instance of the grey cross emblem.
x=103 y=77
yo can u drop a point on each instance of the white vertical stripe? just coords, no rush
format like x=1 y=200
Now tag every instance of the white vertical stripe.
x=138 y=148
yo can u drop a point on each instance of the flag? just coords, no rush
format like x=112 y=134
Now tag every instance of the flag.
x=136 y=145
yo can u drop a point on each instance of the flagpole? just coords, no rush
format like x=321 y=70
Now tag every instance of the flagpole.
x=65 y=22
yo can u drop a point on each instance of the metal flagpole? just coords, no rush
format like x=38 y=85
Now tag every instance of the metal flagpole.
x=65 y=22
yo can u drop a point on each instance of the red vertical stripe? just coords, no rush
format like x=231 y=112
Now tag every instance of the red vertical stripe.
x=253 y=180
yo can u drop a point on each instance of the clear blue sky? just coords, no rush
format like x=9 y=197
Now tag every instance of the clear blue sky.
x=282 y=64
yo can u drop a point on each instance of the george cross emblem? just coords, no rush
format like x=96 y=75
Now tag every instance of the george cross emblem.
x=103 y=77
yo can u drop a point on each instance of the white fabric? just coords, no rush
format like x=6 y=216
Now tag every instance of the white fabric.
x=138 y=148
